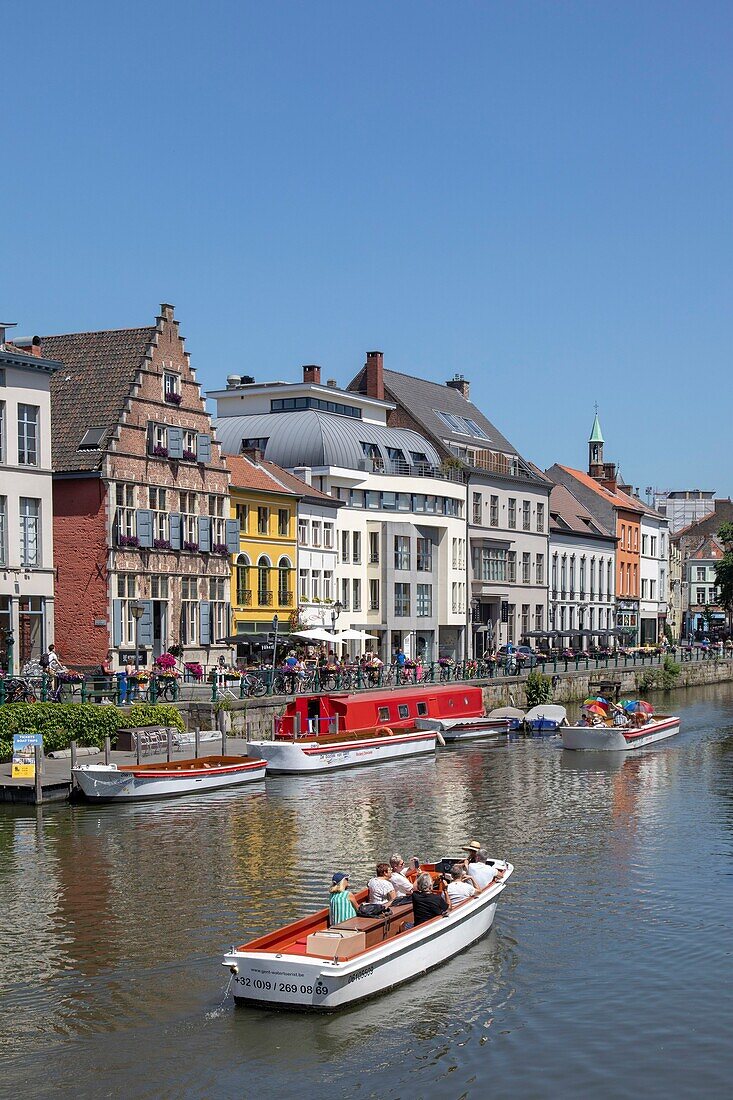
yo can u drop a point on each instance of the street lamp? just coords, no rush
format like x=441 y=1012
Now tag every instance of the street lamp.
x=335 y=612
x=137 y=610
x=275 y=623
x=9 y=643
x=581 y=615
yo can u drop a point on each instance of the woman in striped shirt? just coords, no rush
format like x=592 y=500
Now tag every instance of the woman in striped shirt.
x=342 y=903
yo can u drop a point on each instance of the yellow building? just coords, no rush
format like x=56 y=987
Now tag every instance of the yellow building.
x=264 y=571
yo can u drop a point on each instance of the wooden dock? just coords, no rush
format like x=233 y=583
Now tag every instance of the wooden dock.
x=55 y=781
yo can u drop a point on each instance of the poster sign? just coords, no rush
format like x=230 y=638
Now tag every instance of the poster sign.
x=24 y=763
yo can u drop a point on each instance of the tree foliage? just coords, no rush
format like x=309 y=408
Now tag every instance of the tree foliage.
x=724 y=568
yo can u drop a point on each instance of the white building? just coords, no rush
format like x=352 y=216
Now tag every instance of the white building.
x=681 y=507
x=654 y=577
x=26 y=506
x=400 y=535
x=582 y=573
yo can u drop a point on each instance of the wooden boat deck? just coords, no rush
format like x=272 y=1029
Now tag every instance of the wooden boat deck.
x=201 y=763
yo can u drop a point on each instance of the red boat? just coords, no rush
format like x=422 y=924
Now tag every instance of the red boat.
x=341 y=712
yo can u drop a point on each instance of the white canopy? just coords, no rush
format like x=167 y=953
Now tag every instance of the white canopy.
x=355 y=636
x=318 y=634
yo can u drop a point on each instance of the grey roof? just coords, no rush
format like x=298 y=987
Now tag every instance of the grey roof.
x=310 y=437
x=422 y=398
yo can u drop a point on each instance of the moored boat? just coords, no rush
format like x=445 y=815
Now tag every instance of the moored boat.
x=111 y=782
x=545 y=718
x=311 y=967
x=620 y=738
x=514 y=716
x=326 y=752
x=466 y=729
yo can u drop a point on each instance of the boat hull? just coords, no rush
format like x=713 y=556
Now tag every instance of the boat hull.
x=467 y=729
x=290 y=757
x=106 y=783
x=613 y=739
x=311 y=984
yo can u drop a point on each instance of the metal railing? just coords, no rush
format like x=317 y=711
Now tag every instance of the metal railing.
x=118 y=689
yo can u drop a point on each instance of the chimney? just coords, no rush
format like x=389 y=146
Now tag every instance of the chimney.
x=166 y=311
x=3 y=334
x=609 y=476
x=375 y=375
x=458 y=382
x=332 y=384
x=254 y=454
x=312 y=374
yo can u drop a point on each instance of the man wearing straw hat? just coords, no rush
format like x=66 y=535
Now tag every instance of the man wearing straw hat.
x=479 y=871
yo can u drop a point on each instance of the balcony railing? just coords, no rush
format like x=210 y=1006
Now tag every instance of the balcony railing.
x=285 y=598
x=264 y=599
x=244 y=597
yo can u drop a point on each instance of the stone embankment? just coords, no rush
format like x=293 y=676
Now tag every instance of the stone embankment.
x=255 y=717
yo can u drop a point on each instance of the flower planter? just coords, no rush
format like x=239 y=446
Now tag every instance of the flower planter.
x=174 y=398
x=220 y=548
x=192 y=546
x=189 y=456
x=161 y=544
x=160 y=452
x=131 y=541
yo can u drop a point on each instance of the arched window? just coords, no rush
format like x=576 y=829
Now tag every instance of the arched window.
x=244 y=592
x=284 y=595
x=264 y=596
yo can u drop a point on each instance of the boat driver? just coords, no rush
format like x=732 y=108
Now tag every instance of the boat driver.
x=481 y=873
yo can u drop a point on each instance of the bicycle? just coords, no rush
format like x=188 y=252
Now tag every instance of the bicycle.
x=18 y=690
x=252 y=685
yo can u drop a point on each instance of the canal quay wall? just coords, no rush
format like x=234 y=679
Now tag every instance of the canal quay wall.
x=254 y=718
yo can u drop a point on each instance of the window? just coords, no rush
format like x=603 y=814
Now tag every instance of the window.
x=563 y=576
x=424 y=555
x=572 y=576
x=540 y=517
x=419 y=458
x=28 y=435
x=373 y=454
x=592 y=578
x=127 y=594
x=701 y=595
x=424 y=600
x=345 y=593
x=345 y=545
x=188 y=519
x=283 y=524
x=490 y=564
x=422 y=710
x=189 y=444
x=494 y=512
x=525 y=618
x=477 y=508
x=582 y=577
x=328 y=585
x=328 y=536
x=653 y=590
x=402 y=552
x=303 y=585
x=601 y=571
x=644 y=544
x=3 y=531
x=158 y=505
x=284 y=594
x=264 y=596
x=263 y=520
x=303 y=526
x=383 y=714
x=287 y=404
x=125 y=510
x=244 y=594
x=172 y=387
x=189 y=610
x=316 y=533
x=512 y=513
x=539 y=617
x=526 y=559
x=242 y=513
x=454 y=597
x=700 y=574
x=540 y=569
x=554 y=574
x=374 y=595
x=526 y=515
x=159 y=587
x=356 y=595
x=644 y=586
x=356 y=548
x=374 y=547
x=216 y=511
x=403 y=710
x=30 y=540
x=401 y=599
x=219 y=608
x=316 y=585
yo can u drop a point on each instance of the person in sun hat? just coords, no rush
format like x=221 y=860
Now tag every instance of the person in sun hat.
x=342 y=904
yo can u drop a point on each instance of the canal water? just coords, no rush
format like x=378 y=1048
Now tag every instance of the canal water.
x=609 y=971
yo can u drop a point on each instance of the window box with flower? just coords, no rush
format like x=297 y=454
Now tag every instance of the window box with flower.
x=220 y=548
x=174 y=398
x=128 y=541
x=160 y=452
x=161 y=544
x=194 y=670
x=193 y=546
x=189 y=456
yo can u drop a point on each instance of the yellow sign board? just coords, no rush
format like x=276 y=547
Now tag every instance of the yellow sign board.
x=24 y=760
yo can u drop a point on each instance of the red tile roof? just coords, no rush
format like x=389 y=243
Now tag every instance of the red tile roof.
x=618 y=499
x=568 y=515
x=251 y=475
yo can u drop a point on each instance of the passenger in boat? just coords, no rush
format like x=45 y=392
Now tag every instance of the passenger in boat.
x=342 y=904
x=479 y=871
x=426 y=903
x=461 y=886
x=381 y=890
x=402 y=885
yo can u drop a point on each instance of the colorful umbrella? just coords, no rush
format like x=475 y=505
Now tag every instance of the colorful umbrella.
x=597 y=699
x=595 y=708
x=637 y=706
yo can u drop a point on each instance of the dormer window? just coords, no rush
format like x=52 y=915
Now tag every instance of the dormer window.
x=92 y=439
x=172 y=387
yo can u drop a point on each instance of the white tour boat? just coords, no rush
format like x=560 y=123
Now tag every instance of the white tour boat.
x=340 y=750
x=113 y=782
x=466 y=729
x=616 y=738
x=311 y=967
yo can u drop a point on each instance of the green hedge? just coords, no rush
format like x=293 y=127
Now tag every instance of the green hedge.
x=85 y=723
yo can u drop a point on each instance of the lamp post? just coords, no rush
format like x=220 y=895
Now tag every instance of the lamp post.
x=275 y=624
x=581 y=616
x=336 y=610
x=137 y=611
x=9 y=643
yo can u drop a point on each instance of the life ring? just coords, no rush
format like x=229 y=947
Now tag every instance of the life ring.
x=384 y=731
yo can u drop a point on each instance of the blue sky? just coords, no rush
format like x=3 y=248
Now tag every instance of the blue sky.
x=537 y=195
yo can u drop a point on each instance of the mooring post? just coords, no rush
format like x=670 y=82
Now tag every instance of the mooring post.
x=169 y=745
x=196 y=735
x=107 y=747
x=38 y=759
x=73 y=761
x=223 y=741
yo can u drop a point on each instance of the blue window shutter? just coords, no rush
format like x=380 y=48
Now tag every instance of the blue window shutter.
x=203 y=448
x=144 y=526
x=116 y=622
x=205 y=533
x=205 y=622
x=145 y=623
x=232 y=529
x=175 y=531
x=175 y=442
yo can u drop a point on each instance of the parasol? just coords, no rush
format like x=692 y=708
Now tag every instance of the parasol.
x=637 y=706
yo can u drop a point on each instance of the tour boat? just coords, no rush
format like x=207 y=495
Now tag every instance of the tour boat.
x=466 y=729
x=114 y=782
x=615 y=738
x=398 y=708
x=327 y=751
x=545 y=718
x=313 y=967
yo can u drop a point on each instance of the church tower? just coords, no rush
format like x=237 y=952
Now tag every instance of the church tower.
x=595 y=450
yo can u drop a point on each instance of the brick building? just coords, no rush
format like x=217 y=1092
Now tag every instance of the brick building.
x=141 y=500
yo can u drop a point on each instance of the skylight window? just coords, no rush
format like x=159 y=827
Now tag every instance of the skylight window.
x=461 y=425
x=91 y=439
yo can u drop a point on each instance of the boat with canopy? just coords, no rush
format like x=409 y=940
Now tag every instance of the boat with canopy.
x=616 y=727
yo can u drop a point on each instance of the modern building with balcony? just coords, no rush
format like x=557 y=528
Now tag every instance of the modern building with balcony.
x=400 y=532
x=507 y=501
x=26 y=497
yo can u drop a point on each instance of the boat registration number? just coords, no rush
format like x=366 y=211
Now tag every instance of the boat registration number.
x=365 y=973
